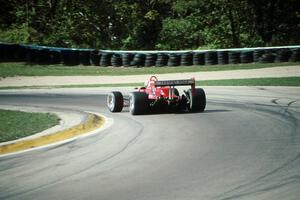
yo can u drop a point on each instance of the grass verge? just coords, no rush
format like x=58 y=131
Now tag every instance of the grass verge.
x=92 y=123
x=282 y=81
x=22 y=69
x=17 y=124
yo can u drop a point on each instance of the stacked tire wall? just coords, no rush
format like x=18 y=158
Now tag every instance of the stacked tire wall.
x=43 y=55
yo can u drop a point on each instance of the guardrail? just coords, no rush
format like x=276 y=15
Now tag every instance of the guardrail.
x=44 y=55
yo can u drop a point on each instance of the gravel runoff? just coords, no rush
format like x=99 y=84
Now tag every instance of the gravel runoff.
x=289 y=71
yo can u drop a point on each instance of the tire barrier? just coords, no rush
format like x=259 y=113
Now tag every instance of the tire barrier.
x=234 y=57
x=38 y=56
x=283 y=55
x=150 y=59
x=138 y=60
x=105 y=59
x=199 y=58
x=70 y=57
x=84 y=57
x=7 y=52
x=222 y=57
x=186 y=59
x=12 y=53
x=116 y=60
x=162 y=60
x=31 y=56
x=211 y=58
x=295 y=57
x=257 y=54
x=43 y=55
x=95 y=57
x=246 y=57
x=126 y=59
x=174 y=60
x=267 y=58
x=20 y=53
x=55 y=57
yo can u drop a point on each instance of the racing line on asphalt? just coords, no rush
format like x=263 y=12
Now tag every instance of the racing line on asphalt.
x=246 y=145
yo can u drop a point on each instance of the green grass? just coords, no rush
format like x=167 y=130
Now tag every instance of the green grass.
x=284 y=81
x=22 y=69
x=17 y=124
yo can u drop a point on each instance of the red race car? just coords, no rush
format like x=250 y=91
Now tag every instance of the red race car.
x=157 y=95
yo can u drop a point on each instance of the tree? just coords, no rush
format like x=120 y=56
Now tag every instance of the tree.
x=150 y=24
x=277 y=22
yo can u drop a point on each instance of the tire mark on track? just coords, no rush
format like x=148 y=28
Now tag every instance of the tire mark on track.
x=124 y=148
x=264 y=183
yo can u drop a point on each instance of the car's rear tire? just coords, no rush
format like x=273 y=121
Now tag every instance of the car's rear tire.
x=197 y=102
x=138 y=103
x=115 y=101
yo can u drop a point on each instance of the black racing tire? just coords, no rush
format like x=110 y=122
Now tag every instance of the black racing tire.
x=115 y=101
x=197 y=102
x=138 y=103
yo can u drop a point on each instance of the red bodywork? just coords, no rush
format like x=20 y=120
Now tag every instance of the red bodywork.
x=164 y=89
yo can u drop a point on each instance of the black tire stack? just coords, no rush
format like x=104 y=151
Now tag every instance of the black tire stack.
x=35 y=56
x=186 y=59
x=31 y=56
x=20 y=53
x=95 y=57
x=295 y=57
x=126 y=59
x=150 y=59
x=55 y=56
x=65 y=56
x=8 y=52
x=257 y=54
x=138 y=60
x=162 y=60
x=211 y=58
x=246 y=56
x=174 y=60
x=51 y=55
x=199 y=58
x=84 y=57
x=116 y=60
x=283 y=55
x=43 y=57
x=267 y=58
x=105 y=59
x=70 y=57
x=234 y=57
x=222 y=57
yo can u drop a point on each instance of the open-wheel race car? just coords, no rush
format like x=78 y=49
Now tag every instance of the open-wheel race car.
x=156 y=95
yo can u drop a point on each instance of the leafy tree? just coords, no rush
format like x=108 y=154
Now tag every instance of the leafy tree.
x=150 y=24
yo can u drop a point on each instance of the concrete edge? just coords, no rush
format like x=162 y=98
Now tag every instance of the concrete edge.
x=94 y=123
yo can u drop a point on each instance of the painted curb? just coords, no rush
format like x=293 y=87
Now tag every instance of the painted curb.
x=92 y=123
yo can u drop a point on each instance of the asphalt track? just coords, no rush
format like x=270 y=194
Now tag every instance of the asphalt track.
x=246 y=145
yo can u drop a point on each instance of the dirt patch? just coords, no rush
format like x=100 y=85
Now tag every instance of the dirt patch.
x=289 y=71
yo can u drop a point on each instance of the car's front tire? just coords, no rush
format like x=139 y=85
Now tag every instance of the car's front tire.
x=115 y=101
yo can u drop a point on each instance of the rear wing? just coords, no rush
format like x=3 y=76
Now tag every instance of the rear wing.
x=175 y=82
